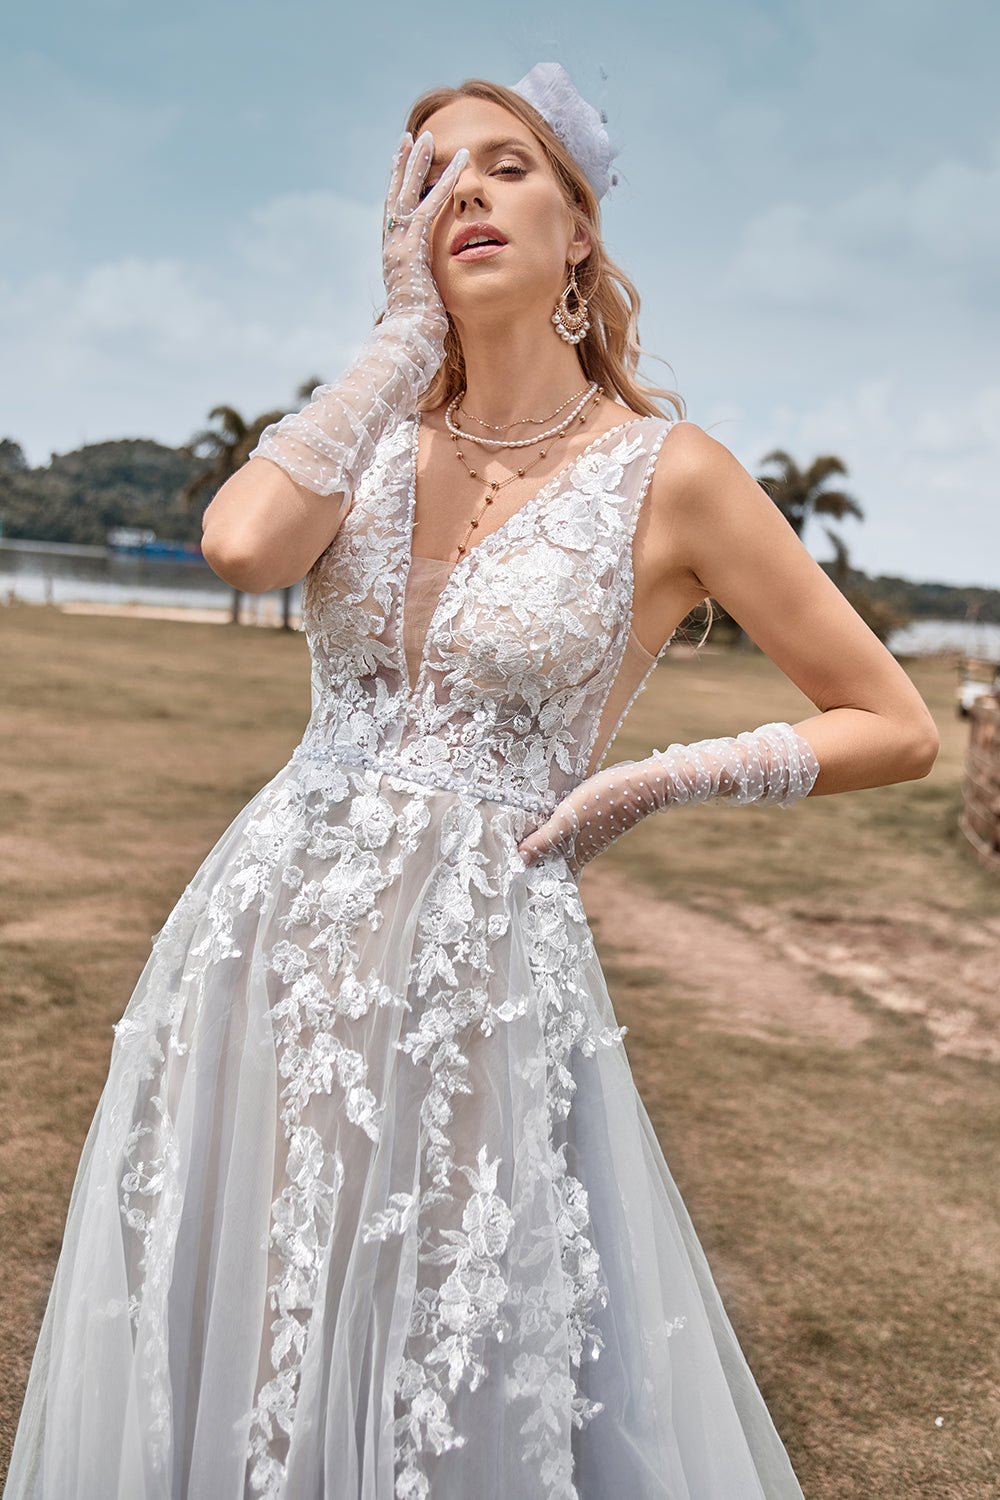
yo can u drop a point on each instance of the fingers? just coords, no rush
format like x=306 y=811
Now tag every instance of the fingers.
x=410 y=167
x=555 y=834
x=399 y=167
x=446 y=184
x=417 y=166
x=396 y=171
x=538 y=843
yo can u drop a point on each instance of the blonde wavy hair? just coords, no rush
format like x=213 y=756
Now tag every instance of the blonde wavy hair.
x=610 y=351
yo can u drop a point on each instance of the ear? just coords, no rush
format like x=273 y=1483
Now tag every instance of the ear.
x=580 y=245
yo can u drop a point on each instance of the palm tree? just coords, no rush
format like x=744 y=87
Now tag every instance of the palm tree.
x=225 y=450
x=305 y=390
x=799 y=494
x=840 y=564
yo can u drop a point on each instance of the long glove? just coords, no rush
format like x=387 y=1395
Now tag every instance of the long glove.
x=328 y=445
x=771 y=765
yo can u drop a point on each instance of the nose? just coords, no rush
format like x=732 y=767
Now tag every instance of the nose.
x=470 y=191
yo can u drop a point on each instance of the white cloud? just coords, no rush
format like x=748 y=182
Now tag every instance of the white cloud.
x=148 y=345
x=305 y=233
x=63 y=146
x=884 y=241
x=156 y=304
x=924 y=473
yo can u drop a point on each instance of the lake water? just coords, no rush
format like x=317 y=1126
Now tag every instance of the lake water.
x=923 y=636
x=52 y=573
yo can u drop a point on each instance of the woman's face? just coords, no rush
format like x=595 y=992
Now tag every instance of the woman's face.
x=507 y=233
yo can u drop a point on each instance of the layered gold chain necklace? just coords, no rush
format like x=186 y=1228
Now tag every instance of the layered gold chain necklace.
x=582 y=405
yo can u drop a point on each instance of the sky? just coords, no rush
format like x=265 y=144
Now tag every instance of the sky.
x=809 y=203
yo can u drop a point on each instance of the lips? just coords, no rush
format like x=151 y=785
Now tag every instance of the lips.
x=477 y=240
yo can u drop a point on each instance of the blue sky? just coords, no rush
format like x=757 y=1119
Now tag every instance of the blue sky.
x=809 y=204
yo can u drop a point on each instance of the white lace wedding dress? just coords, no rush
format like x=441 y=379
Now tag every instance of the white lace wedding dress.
x=371 y=1209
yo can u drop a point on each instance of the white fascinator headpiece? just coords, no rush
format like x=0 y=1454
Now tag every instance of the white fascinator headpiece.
x=549 y=88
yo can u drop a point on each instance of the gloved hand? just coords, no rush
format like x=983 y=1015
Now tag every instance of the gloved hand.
x=406 y=231
x=771 y=765
x=328 y=445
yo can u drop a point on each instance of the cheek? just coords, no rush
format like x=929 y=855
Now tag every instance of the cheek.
x=440 y=256
x=553 y=230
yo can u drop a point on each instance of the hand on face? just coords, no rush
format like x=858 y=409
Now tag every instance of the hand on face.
x=508 y=197
x=407 y=224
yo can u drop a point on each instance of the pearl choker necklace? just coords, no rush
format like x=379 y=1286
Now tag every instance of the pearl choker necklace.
x=521 y=421
x=539 y=437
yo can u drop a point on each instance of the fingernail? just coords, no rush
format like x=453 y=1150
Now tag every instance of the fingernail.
x=461 y=159
x=425 y=139
x=525 y=856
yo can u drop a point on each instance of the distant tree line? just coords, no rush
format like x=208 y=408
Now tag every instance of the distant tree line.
x=884 y=603
x=78 y=497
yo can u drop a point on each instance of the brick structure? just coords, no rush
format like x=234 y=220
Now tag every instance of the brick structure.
x=980 y=820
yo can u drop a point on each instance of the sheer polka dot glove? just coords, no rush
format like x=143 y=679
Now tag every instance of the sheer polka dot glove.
x=771 y=765
x=406 y=233
x=328 y=445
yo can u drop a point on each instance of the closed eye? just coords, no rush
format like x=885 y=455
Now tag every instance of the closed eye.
x=502 y=169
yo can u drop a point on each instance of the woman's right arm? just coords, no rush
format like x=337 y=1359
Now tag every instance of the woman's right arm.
x=263 y=531
x=271 y=521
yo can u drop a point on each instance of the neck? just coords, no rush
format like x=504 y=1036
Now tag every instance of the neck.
x=518 y=371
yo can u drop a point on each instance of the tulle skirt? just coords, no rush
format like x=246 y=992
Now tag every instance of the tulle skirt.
x=370 y=1208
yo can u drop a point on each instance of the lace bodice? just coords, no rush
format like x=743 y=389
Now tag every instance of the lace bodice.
x=525 y=644
x=426 y=580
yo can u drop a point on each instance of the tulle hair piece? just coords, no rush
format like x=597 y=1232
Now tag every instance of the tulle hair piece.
x=549 y=88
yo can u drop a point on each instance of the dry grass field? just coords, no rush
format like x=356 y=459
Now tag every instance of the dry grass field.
x=812 y=1003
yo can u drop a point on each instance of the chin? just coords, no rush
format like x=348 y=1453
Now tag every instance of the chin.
x=493 y=295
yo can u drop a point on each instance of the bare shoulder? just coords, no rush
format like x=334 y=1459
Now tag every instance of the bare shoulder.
x=691 y=461
x=698 y=479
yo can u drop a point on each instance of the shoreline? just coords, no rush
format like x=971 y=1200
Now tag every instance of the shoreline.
x=264 y=610
x=268 y=618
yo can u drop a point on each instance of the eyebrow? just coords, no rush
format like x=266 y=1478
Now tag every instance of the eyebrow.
x=487 y=148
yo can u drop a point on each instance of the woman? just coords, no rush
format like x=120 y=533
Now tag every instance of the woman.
x=370 y=1207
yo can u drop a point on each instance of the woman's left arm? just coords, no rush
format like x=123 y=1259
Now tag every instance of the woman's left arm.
x=710 y=530
x=713 y=519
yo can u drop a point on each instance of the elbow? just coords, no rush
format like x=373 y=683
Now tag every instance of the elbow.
x=237 y=566
x=922 y=745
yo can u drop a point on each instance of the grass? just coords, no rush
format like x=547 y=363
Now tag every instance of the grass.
x=846 y=1194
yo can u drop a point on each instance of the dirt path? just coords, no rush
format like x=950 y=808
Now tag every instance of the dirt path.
x=780 y=974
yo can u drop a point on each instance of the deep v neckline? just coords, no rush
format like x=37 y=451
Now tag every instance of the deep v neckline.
x=462 y=564
x=540 y=495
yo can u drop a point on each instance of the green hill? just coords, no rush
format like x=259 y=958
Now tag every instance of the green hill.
x=79 y=496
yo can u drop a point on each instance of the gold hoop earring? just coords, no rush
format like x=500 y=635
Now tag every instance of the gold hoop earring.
x=571 y=323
